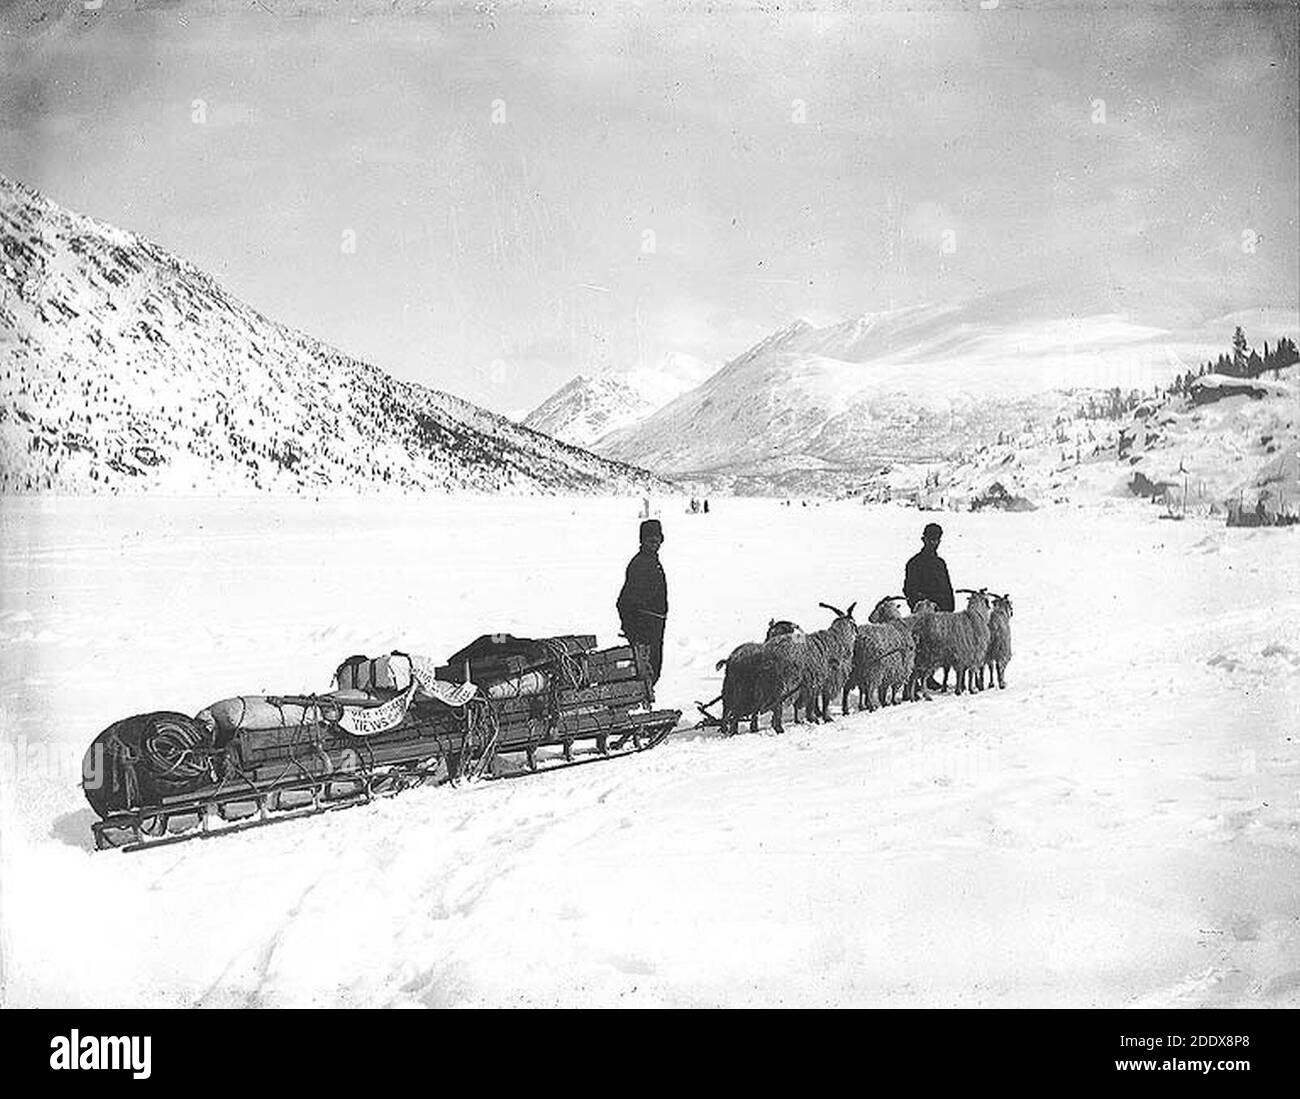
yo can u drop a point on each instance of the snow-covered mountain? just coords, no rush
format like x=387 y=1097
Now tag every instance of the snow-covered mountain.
x=1241 y=447
x=831 y=405
x=586 y=409
x=125 y=368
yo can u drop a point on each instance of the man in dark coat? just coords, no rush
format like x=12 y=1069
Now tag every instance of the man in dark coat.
x=643 y=602
x=926 y=576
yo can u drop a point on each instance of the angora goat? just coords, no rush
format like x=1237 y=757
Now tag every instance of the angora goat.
x=761 y=677
x=998 y=655
x=828 y=661
x=884 y=654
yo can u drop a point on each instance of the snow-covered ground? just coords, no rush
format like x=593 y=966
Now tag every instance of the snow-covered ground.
x=1120 y=826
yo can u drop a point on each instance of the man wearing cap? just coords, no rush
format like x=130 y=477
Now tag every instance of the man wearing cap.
x=926 y=576
x=643 y=602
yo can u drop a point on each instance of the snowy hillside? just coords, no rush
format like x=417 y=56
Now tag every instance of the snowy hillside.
x=1240 y=447
x=586 y=409
x=1119 y=827
x=125 y=368
x=916 y=384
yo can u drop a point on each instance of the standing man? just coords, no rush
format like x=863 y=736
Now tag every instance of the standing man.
x=926 y=576
x=643 y=602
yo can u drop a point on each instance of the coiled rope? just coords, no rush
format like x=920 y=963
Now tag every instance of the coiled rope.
x=176 y=752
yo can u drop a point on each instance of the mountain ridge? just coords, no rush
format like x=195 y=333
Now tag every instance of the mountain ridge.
x=100 y=329
x=924 y=383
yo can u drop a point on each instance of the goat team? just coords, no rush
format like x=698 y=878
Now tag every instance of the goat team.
x=890 y=656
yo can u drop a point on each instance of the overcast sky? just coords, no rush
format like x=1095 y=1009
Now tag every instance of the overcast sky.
x=534 y=193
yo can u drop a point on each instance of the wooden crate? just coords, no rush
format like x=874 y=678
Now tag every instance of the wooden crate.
x=612 y=665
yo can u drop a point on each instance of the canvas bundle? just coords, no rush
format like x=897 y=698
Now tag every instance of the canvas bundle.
x=391 y=672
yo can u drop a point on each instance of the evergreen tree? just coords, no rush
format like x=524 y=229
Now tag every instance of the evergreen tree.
x=1239 y=352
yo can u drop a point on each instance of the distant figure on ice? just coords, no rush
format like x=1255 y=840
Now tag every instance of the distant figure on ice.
x=926 y=576
x=643 y=602
x=706 y=507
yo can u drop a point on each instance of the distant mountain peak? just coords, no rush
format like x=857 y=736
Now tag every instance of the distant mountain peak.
x=588 y=407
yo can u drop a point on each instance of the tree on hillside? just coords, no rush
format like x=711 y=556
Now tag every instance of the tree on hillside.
x=1282 y=355
x=1239 y=352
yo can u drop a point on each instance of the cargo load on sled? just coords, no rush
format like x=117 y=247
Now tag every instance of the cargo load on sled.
x=500 y=706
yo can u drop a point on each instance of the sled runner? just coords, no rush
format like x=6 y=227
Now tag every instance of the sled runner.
x=501 y=707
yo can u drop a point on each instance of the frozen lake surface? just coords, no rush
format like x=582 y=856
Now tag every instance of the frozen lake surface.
x=1120 y=826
